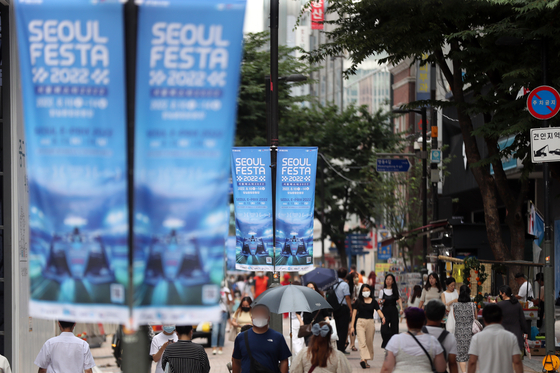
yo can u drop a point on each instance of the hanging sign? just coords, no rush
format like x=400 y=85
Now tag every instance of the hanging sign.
x=188 y=72
x=295 y=206
x=72 y=75
x=317 y=14
x=252 y=196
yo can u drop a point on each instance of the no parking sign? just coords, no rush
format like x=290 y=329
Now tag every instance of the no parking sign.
x=543 y=102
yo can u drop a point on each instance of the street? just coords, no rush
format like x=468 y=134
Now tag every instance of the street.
x=106 y=363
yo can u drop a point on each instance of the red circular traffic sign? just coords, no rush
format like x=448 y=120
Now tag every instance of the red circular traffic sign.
x=543 y=102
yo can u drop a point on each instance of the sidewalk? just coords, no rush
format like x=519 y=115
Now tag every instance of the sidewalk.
x=106 y=363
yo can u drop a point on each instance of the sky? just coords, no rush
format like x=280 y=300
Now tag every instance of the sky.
x=254 y=16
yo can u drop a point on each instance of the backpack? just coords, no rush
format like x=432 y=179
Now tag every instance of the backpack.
x=440 y=339
x=332 y=299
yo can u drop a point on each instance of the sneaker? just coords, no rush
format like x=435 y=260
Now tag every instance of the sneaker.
x=220 y=352
x=213 y=352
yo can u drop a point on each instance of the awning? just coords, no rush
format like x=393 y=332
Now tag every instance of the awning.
x=524 y=263
x=433 y=227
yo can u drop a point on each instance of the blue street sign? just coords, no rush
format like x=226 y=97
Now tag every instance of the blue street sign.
x=435 y=156
x=393 y=165
x=385 y=252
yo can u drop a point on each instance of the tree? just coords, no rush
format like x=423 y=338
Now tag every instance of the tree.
x=461 y=37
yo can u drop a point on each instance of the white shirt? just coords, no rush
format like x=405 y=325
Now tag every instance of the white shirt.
x=407 y=344
x=158 y=341
x=4 y=365
x=495 y=348
x=225 y=298
x=389 y=292
x=65 y=354
x=525 y=289
x=449 y=343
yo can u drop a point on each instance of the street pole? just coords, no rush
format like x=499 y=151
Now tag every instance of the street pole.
x=549 y=310
x=424 y=156
x=275 y=319
x=323 y=213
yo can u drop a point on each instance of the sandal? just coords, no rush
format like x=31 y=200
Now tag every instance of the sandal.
x=346 y=345
x=363 y=364
x=367 y=365
x=354 y=349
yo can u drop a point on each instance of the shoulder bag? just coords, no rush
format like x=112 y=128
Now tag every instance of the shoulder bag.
x=305 y=330
x=425 y=351
x=476 y=325
x=256 y=367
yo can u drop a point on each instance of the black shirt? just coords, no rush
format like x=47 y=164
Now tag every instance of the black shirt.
x=366 y=310
x=308 y=316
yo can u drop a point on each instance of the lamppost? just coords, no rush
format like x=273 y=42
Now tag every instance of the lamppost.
x=424 y=156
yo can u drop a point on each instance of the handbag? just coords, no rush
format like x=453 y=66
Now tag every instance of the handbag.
x=476 y=325
x=256 y=367
x=232 y=334
x=334 y=335
x=426 y=352
x=305 y=330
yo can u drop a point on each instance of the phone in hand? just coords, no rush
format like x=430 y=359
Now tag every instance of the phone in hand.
x=170 y=340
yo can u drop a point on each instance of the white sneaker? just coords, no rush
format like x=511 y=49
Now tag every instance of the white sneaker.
x=213 y=352
x=220 y=352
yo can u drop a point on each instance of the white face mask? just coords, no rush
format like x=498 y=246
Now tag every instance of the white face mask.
x=260 y=322
x=366 y=294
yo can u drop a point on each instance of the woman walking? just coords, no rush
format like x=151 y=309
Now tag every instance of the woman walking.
x=389 y=297
x=354 y=293
x=464 y=312
x=414 y=352
x=320 y=356
x=449 y=297
x=316 y=316
x=513 y=319
x=362 y=317
x=242 y=316
x=432 y=290
x=414 y=298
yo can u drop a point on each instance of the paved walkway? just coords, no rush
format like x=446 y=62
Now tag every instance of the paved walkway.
x=106 y=363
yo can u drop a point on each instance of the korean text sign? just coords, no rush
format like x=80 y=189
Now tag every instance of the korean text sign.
x=317 y=14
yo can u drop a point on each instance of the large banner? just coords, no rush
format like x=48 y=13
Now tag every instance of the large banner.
x=252 y=196
x=72 y=75
x=295 y=205
x=188 y=72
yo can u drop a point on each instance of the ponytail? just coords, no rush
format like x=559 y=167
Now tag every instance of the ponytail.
x=508 y=293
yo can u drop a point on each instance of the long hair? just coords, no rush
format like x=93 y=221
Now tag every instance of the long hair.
x=507 y=291
x=244 y=299
x=316 y=288
x=350 y=280
x=464 y=294
x=320 y=348
x=438 y=284
x=416 y=293
x=372 y=276
x=394 y=287
x=360 y=299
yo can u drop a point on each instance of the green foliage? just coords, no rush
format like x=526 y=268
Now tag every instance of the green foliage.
x=479 y=269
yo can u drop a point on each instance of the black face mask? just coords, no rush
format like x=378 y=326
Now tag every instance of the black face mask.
x=245 y=309
x=502 y=298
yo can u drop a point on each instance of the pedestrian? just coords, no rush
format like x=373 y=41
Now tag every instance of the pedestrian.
x=315 y=316
x=160 y=342
x=362 y=276
x=4 y=365
x=389 y=297
x=414 y=351
x=354 y=269
x=240 y=285
x=362 y=317
x=435 y=312
x=414 y=298
x=464 y=312
x=494 y=348
x=185 y=356
x=355 y=286
x=260 y=349
x=297 y=321
x=432 y=290
x=372 y=279
x=513 y=318
x=261 y=284
x=448 y=297
x=219 y=329
x=242 y=316
x=525 y=293
x=539 y=301
x=320 y=356
x=342 y=309
x=65 y=353
x=250 y=287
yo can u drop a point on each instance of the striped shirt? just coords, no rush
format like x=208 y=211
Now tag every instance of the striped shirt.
x=185 y=357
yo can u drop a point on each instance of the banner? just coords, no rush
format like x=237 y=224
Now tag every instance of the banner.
x=295 y=206
x=252 y=195
x=188 y=72
x=317 y=14
x=72 y=75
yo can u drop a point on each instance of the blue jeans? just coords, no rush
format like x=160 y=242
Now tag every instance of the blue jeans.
x=219 y=331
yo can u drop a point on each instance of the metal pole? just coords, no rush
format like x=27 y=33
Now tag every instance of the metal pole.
x=275 y=319
x=342 y=84
x=333 y=59
x=135 y=351
x=323 y=213
x=424 y=186
x=549 y=310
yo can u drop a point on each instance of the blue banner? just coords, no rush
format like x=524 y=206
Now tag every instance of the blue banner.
x=72 y=75
x=384 y=252
x=295 y=206
x=252 y=196
x=188 y=72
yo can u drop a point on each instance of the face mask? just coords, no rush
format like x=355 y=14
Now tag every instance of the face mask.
x=366 y=294
x=356 y=280
x=245 y=309
x=260 y=274
x=260 y=322
x=169 y=328
x=501 y=297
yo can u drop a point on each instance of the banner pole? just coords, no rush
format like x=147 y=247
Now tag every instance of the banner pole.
x=136 y=358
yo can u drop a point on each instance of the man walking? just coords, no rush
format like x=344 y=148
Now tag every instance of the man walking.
x=342 y=310
x=494 y=348
x=65 y=353
x=435 y=312
x=160 y=342
x=260 y=347
x=185 y=356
